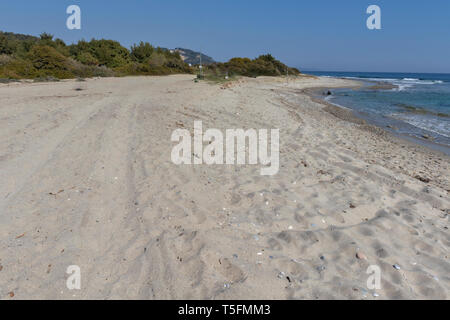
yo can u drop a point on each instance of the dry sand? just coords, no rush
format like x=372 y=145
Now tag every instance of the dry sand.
x=87 y=179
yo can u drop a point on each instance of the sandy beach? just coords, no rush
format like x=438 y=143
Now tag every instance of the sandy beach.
x=87 y=180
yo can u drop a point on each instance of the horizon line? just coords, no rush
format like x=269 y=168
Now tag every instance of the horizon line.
x=409 y=72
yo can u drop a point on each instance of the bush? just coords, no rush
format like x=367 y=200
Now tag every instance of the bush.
x=102 y=71
x=6 y=46
x=87 y=59
x=49 y=62
x=141 y=53
x=264 y=65
x=109 y=53
x=5 y=59
x=17 y=69
x=157 y=59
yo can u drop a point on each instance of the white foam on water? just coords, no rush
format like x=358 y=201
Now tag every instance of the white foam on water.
x=402 y=84
x=430 y=124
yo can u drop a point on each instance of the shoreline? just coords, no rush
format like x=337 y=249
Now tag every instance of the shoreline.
x=345 y=113
x=413 y=145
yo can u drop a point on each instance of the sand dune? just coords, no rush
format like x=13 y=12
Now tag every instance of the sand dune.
x=87 y=179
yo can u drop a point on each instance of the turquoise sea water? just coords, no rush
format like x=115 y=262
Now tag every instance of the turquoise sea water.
x=418 y=107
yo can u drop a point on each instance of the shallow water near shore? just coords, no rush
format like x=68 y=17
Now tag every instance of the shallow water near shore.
x=412 y=105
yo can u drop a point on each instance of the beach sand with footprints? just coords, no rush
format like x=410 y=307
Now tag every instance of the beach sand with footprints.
x=87 y=179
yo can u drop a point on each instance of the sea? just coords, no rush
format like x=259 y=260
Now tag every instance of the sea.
x=418 y=107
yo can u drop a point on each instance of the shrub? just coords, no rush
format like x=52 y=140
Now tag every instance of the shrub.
x=49 y=62
x=102 y=71
x=5 y=59
x=6 y=46
x=264 y=65
x=157 y=59
x=17 y=69
x=87 y=59
x=141 y=53
x=109 y=53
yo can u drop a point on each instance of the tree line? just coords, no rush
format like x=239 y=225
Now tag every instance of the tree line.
x=29 y=57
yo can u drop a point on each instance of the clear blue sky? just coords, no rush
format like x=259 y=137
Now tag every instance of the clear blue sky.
x=312 y=35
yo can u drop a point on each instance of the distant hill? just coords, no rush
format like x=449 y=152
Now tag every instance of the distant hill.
x=193 y=57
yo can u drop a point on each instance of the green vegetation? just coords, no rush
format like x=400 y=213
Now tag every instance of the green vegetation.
x=27 y=57
x=264 y=65
x=45 y=58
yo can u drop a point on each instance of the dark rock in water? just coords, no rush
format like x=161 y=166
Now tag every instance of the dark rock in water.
x=425 y=136
x=329 y=93
x=392 y=127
